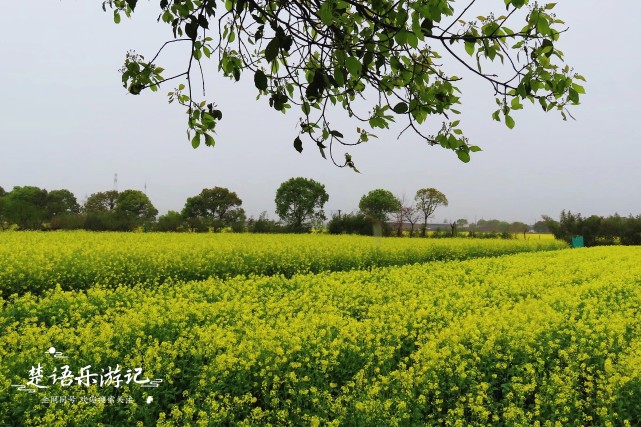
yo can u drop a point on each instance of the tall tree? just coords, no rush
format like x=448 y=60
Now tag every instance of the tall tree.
x=134 y=208
x=412 y=215
x=519 y=227
x=378 y=61
x=216 y=206
x=3 y=221
x=193 y=214
x=171 y=221
x=541 y=227
x=25 y=207
x=400 y=215
x=427 y=200
x=61 y=202
x=299 y=203
x=377 y=205
x=101 y=202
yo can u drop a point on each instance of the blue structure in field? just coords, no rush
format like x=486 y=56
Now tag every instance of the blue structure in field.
x=577 y=241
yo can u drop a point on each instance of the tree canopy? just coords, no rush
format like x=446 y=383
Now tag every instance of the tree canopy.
x=61 y=202
x=378 y=204
x=101 y=201
x=25 y=206
x=378 y=62
x=300 y=201
x=218 y=207
x=135 y=204
x=427 y=200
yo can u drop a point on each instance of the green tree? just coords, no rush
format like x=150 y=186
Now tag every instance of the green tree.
x=377 y=205
x=25 y=207
x=377 y=61
x=299 y=203
x=171 y=221
x=541 y=227
x=192 y=213
x=134 y=209
x=217 y=207
x=427 y=200
x=101 y=202
x=99 y=209
x=400 y=215
x=519 y=227
x=412 y=215
x=264 y=225
x=3 y=221
x=236 y=219
x=60 y=202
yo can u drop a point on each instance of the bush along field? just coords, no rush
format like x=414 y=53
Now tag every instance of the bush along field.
x=544 y=339
x=35 y=261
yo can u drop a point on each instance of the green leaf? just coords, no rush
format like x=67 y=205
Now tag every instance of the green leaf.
x=202 y=21
x=116 y=17
x=195 y=141
x=469 y=48
x=298 y=144
x=321 y=148
x=191 y=29
x=260 y=80
x=209 y=140
x=578 y=88
x=400 y=108
x=326 y=13
x=412 y=40
x=339 y=77
x=464 y=156
x=542 y=25
x=509 y=121
x=401 y=37
x=271 y=51
x=353 y=65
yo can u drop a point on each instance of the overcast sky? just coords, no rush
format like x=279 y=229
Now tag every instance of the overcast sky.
x=66 y=122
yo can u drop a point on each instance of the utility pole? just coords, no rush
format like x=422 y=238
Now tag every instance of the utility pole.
x=116 y=182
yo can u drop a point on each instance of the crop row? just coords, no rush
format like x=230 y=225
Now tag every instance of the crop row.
x=33 y=262
x=547 y=339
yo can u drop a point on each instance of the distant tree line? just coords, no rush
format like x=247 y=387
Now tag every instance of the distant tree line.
x=596 y=230
x=213 y=209
x=299 y=206
x=33 y=208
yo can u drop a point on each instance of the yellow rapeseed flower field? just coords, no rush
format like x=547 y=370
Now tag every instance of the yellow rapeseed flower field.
x=35 y=261
x=535 y=339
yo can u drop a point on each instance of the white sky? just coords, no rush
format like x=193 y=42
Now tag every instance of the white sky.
x=66 y=122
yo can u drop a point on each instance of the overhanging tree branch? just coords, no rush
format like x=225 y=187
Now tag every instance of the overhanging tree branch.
x=380 y=57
